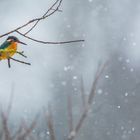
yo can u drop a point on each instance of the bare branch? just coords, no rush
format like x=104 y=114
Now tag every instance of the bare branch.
x=6 y=130
x=5 y=117
x=28 y=130
x=35 y=22
x=50 y=123
x=57 y=8
x=46 y=15
x=36 y=19
x=19 y=61
x=99 y=72
x=46 y=42
x=70 y=115
x=18 y=132
x=83 y=94
x=21 y=53
x=73 y=133
x=9 y=65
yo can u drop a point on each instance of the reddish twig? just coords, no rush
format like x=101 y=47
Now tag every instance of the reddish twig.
x=28 y=130
x=73 y=133
x=83 y=94
x=6 y=130
x=50 y=123
x=18 y=132
x=70 y=114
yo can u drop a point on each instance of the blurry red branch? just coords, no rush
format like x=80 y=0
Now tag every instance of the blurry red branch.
x=70 y=114
x=87 y=104
x=50 y=123
x=24 y=131
x=52 y=10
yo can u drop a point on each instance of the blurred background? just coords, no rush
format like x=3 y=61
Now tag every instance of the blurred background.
x=111 y=32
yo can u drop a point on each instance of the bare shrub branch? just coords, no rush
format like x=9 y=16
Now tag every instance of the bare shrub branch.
x=28 y=130
x=52 y=10
x=50 y=123
x=78 y=126
x=83 y=94
x=18 y=132
x=70 y=114
x=24 y=132
x=6 y=131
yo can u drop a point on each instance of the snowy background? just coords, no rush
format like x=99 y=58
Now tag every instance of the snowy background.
x=111 y=29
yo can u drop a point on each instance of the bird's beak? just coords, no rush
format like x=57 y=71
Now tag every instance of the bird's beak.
x=22 y=43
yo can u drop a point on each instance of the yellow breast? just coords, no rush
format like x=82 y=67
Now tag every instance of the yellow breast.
x=9 y=51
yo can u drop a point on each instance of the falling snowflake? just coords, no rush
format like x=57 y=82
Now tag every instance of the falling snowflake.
x=126 y=94
x=131 y=69
x=134 y=43
x=133 y=129
x=118 y=106
x=106 y=76
x=48 y=133
x=75 y=77
x=127 y=61
x=100 y=91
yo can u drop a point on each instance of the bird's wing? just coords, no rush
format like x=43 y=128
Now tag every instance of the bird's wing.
x=5 y=45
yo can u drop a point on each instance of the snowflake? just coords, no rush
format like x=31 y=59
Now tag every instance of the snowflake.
x=75 y=77
x=126 y=94
x=106 y=76
x=118 y=106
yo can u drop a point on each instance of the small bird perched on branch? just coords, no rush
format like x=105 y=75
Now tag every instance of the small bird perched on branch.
x=9 y=49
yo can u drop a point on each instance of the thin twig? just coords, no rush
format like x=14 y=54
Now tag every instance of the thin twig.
x=70 y=114
x=5 y=126
x=32 y=27
x=9 y=65
x=21 y=53
x=20 y=61
x=48 y=13
x=47 y=42
x=58 y=10
x=34 y=20
x=100 y=70
x=28 y=130
x=18 y=132
x=73 y=133
x=45 y=15
x=50 y=123
x=83 y=94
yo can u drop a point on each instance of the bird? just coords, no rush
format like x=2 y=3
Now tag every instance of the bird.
x=9 y=48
